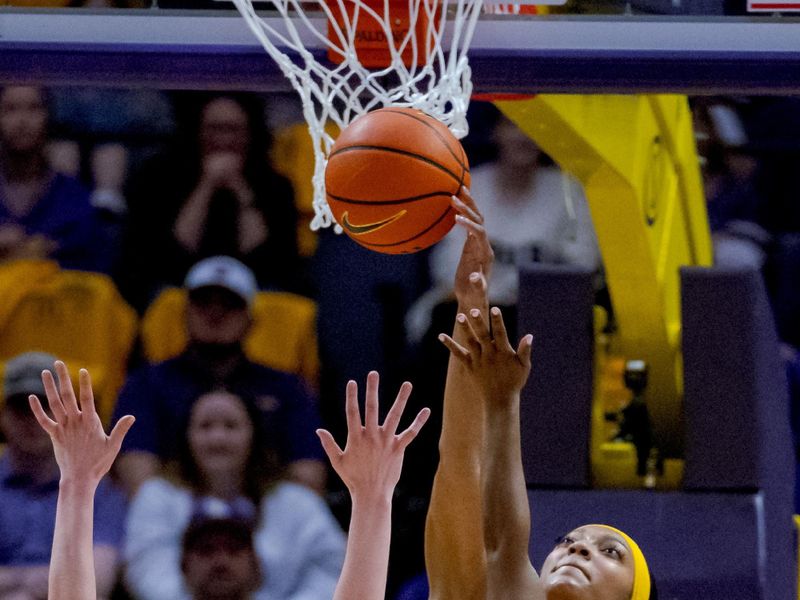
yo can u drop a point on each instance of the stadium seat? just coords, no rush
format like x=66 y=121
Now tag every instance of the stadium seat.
x=77 y=316
x=292 y=155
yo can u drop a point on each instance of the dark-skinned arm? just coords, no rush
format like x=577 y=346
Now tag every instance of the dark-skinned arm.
x=454 y=555
x=499 y=372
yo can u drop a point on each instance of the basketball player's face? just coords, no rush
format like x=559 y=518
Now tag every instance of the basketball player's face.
x=216 y=316
x=23 y=119
x=590 y=563
x=223 y=128
x=220 y=434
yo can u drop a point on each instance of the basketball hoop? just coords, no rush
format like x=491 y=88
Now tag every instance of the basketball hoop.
x=410 y=53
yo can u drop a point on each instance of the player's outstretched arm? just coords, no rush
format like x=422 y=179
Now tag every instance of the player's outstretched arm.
x=370 y=466
x=84 y=454
x=454 y=555
x=499 y=372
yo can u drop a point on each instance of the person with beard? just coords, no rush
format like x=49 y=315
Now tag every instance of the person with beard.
x=220 y=292
x=43 y=214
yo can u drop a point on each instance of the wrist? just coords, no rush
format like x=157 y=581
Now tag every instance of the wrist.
x=506 y=394
x=371 y=497
x=77 y=486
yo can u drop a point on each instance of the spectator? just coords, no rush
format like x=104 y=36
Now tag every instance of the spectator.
x=221 y=469
x=534 y=213
x=160 y=396
x=735 y=207
x=43 y=214
x=29 y=482
x=218 y=195
x=218 y=559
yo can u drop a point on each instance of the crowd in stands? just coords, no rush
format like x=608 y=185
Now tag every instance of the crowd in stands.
x=162 y=231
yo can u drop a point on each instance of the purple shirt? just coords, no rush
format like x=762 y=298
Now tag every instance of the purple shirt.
x=161 y=396
x=65 y=215
x=28 y=516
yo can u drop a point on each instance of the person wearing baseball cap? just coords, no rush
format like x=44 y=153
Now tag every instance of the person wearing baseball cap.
x=220 y=292
x=222 y=273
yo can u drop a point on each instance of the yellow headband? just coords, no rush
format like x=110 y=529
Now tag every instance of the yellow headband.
x=641 y=574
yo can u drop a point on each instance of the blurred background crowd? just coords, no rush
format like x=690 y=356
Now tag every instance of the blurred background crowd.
x=161 y=240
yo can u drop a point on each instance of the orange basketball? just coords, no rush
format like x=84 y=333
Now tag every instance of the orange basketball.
x=389 y=180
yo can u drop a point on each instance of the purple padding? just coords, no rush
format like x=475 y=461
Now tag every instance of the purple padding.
x=699 y=546
x=548 y=70
x=736 y=403
x=555 y=305
x=734 y=383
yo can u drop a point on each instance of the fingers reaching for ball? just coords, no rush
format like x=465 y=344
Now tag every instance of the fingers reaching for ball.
x=464 y=204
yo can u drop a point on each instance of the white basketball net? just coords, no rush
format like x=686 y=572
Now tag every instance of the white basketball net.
x=435 y=80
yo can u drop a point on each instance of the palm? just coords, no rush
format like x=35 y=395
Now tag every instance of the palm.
x=373 y=456
x=370 y=461
x=82 y=449
x=496 y=367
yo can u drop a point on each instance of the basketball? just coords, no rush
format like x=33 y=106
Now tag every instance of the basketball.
x=389 y=179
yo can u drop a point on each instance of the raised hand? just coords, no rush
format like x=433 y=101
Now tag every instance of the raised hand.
x=370 y=466
x=83 y=451
x=496 y=367
x=373 y=456
x=477 y=257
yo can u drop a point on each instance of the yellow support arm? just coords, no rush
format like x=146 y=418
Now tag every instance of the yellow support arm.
x=636 y=158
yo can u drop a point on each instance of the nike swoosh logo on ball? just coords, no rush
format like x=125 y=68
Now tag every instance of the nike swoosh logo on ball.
x=368 y=227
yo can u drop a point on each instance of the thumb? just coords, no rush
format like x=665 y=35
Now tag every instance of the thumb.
x=525 y=349
x=120 y=430
x=330 y=446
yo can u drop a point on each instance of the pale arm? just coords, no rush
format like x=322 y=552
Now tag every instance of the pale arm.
x=72 y=563
x=370 y=466
x=84 y=454
x=455 y=559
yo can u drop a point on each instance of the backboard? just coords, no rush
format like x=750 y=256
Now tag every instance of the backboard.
x=622 y=47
